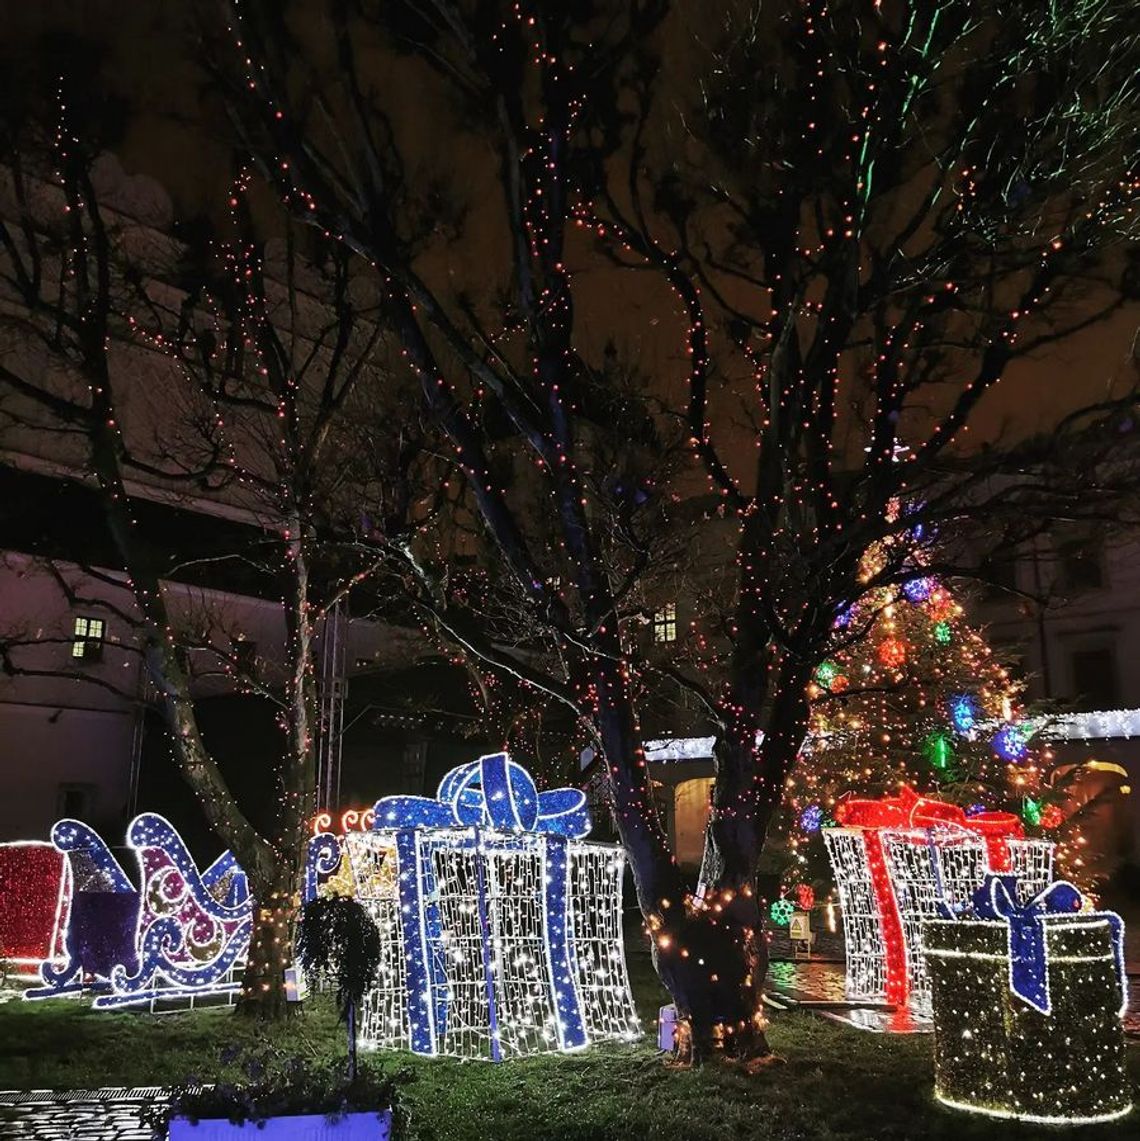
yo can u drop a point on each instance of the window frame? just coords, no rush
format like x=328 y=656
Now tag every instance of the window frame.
x=1094 y=702
x=86 y=642
x=1082 y=552
x=85 y=790
x=665 y=624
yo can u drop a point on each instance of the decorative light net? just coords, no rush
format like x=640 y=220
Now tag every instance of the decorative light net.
x=596 y=872
x=371 y=862
x=928 y=870
x=515 y=938
x=1032 y=862
x=862 y=926
x=511 y=967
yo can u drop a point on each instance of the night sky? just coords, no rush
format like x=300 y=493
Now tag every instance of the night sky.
x=177 y=135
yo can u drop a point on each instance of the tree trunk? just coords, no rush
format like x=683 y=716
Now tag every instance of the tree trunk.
x=712 y=957
x=709 y=952
x=270 y=943
x=710 y=949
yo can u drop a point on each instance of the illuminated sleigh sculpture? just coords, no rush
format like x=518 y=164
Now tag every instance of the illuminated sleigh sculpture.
x=500 y=924
x=181 y=934
x=33 y=906
x=900 y=861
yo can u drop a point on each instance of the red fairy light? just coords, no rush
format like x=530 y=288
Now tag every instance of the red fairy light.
x=940 y=604
x=892 y=652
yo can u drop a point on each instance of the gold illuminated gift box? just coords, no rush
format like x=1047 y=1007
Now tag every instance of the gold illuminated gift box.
x=995 y=1053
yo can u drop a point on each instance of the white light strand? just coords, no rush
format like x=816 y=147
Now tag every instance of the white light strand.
x=862 y=928
x=928 y=869
x=511 y=959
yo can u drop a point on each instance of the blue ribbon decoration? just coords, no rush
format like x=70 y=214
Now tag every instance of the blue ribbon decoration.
x=322 y=858
x=568 y=1018
x=493 y=792
x=165 y=942
x=423 y=943
x=997 y=899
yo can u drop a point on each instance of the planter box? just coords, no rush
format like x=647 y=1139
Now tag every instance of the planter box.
x=373 y=1126
x=996 y=1054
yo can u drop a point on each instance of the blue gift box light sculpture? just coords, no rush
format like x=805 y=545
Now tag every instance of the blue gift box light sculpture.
x=502 y=924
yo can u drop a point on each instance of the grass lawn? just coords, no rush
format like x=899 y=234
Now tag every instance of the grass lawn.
x=833 y=1083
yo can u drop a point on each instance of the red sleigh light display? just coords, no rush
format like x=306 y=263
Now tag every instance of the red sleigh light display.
x=33 y=905
x=901 y=860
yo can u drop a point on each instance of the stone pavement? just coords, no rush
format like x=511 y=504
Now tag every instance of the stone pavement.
x=85 y=1115
x=819 y=984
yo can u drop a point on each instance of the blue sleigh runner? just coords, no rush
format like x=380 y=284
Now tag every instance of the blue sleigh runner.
x=501 y=923
x=181 y=934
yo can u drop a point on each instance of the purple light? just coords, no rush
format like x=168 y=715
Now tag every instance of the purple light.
x=811 y=819
x=1011 y=742
x=918 y=589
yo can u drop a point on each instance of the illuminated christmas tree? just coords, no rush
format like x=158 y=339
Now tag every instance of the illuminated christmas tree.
x=913 y=694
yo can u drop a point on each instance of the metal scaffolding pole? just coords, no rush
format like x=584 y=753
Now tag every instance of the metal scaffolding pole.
x=334 y=645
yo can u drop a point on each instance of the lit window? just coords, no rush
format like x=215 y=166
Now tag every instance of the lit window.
x=665 y=623
x=87 y=640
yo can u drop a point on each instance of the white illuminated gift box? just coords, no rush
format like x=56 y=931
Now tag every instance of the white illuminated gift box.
x=500 y=923
x=901 y=861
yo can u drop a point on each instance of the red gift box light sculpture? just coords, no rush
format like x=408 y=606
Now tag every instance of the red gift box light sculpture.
x=900 y=860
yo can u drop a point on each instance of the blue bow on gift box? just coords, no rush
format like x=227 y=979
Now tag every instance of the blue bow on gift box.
x=492 y=792
x=1028 y=959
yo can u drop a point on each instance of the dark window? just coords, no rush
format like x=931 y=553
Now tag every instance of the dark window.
x=74 y=800
x=87 y=639
x=665 y=623
x=1094 y=678
x=1080 y=564
x=245 y=658
x=999 y=576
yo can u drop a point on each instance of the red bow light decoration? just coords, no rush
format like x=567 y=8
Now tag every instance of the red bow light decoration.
x=908 y=810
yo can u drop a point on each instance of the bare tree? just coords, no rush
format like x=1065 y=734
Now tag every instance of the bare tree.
x=262 y=370
x=871 y=213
